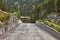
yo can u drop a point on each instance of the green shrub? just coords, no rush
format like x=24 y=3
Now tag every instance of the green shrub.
x=57 y=28
x=4 y=16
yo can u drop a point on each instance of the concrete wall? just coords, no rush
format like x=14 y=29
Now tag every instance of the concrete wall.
x=13 y=23
x=49 y=29
x=6 y=28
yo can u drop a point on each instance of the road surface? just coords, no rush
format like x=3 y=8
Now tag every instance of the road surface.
x=27 y=31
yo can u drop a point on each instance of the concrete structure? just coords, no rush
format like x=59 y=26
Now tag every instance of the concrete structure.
x=13 y=22
x=27 y=31
x=49 y=29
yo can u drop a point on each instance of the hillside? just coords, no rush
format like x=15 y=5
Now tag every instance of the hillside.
x=25 y=5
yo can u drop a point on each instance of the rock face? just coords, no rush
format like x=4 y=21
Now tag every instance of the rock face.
x=54 y=17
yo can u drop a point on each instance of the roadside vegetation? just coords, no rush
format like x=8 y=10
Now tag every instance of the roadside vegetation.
x=43 y=13
x=51 y=24
x=40 y=12
x=4 y=17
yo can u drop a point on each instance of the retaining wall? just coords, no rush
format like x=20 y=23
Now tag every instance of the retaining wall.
x=7 y=28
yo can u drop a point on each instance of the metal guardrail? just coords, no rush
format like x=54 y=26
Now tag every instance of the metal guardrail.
x=49 y=29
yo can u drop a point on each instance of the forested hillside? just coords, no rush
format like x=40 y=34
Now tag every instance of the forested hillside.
x=25 y=5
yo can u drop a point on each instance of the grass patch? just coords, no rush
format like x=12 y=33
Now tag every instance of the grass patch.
x=55 y=26
x=52 y=24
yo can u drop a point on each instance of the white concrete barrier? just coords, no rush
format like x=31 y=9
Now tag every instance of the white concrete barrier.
x=3 y=30
x=49 y=29
x=0 y=31
x=8 y=27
